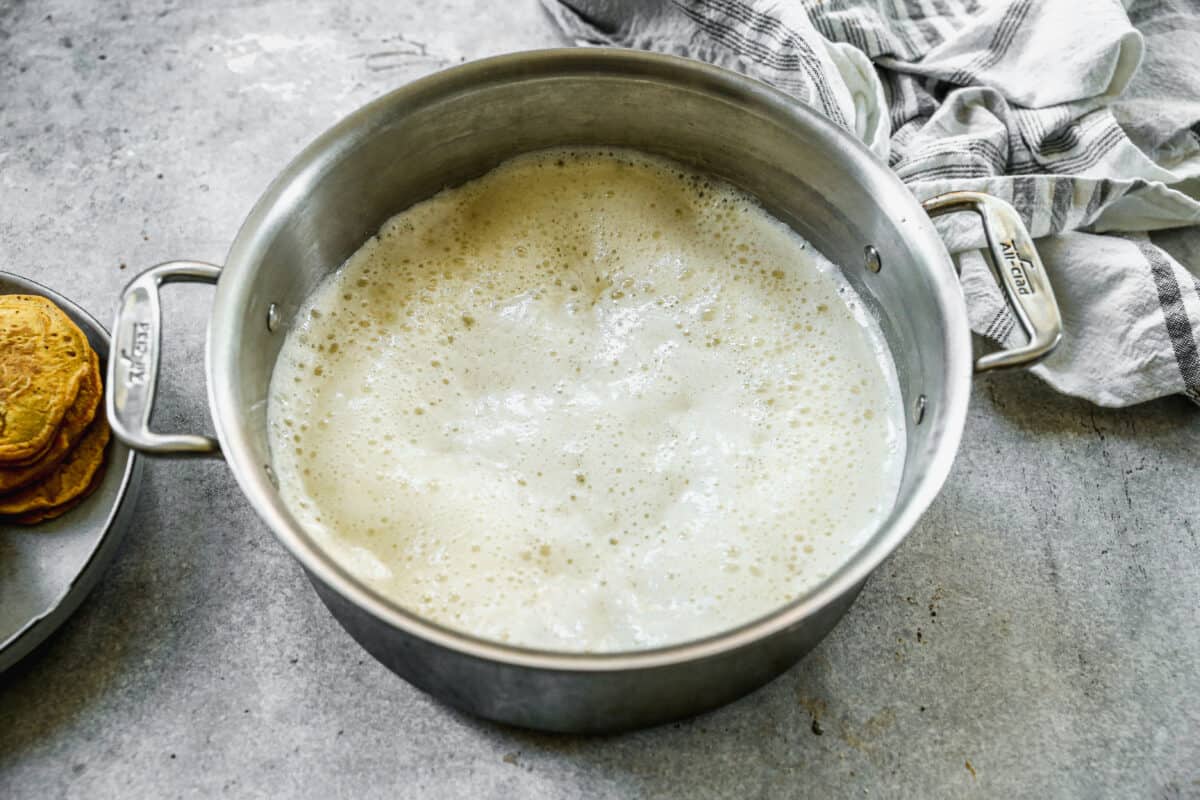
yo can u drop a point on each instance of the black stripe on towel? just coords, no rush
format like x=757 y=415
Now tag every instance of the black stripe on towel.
x=959 y=171
x=1001 y=40
x=1095 y=151
x=1060 y=205
x=1102 y=193
x=1179 y=327
x=802 y=59
x=1025 y=198
x=998 y=322
x=952 y=147
x=914 y=12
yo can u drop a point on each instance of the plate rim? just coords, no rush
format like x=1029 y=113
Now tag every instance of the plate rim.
x=40 y=627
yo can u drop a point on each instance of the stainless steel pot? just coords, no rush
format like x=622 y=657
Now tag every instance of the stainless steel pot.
x=456 y=125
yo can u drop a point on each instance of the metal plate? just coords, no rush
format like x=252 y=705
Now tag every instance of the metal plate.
x=46 y=570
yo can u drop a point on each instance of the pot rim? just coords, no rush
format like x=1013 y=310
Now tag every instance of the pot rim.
x=308 y=167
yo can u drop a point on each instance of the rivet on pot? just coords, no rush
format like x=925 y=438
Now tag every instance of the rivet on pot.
x=873 y=262
x=272 y=317
x=919 y=409
x=271 y=475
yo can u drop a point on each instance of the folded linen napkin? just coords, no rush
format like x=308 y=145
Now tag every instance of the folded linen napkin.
x=1084 y=114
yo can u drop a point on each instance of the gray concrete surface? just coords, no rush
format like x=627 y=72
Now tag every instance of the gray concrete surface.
x=1036 y=636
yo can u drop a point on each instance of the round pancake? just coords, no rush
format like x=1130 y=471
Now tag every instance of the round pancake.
x=34 y=517
x=74 y=423
x=66 y=483
x=43 y=360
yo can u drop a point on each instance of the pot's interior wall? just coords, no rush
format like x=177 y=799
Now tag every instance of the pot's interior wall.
x=399 y=152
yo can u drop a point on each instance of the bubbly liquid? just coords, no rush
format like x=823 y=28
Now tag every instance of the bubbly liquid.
x=591 y=401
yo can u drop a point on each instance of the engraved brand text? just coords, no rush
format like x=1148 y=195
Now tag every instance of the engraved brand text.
x=135 y=357
x=1018 y=268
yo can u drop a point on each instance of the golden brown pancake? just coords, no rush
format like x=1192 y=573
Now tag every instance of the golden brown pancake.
x=43 y=360
x=74 y=423
x=34 y=517
x=71 y=480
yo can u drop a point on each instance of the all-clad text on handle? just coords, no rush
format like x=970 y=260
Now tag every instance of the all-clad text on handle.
x=133 y=365
x=1019 y=269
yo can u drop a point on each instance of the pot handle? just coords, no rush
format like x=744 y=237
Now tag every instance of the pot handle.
x=133 y=369
x=1021 y=274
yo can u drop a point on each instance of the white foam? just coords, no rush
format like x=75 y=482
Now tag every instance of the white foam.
x=591 y=401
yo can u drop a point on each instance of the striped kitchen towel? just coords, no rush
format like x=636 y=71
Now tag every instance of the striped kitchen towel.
x=1085 y=114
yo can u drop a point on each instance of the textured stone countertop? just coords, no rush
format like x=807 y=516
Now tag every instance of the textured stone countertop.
x=1035 y=636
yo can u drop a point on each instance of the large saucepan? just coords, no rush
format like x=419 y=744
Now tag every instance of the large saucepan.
x=456 y=125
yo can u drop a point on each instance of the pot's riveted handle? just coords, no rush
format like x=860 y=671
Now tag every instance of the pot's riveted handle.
x=1021 y=273
x=133 y=365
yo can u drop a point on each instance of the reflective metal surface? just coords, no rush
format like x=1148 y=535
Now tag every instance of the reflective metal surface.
x=1019 y=267
x=456 y=125
x=133 y=371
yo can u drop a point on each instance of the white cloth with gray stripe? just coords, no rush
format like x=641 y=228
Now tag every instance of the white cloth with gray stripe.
x=1085 y=114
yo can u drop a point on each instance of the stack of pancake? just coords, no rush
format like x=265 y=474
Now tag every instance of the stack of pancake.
x=52 y=428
